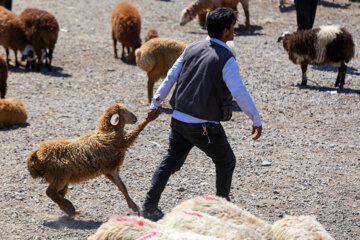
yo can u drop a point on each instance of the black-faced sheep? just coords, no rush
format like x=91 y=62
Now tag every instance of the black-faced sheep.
x=156 y=57
x=126 y=26
x=12 y=33
x=130 y=228
x=63 y=162
x=299 y=228
x=41 y=29
x=3 y=77
x=12 y=112
x=201 y=7
x=327 y=45
x=227 y=212
x=151 y=34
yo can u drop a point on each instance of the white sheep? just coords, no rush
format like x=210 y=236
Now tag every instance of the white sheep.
x=130 y=228
x=205 y=224
x=12 y=112
x=299 y=228
x=327 y=45
x=63 y=162
x=227 y=212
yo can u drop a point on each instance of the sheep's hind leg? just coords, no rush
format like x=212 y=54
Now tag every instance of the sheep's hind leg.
x=17 y=64
x=51 y=50
x=115 y=178
x=58 y=197
x=7 y=56
x=340 y=80
x=303 y=70
x=123 y=52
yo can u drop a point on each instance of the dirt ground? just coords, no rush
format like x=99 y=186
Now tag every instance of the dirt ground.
x=311 y=134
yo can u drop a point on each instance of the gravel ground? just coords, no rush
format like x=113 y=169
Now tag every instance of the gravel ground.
x=311 y=134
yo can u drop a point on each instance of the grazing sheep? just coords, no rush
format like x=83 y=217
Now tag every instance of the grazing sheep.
x=151 y=34
x=327 y=45
x=202 y=223
x=156 y=57
x=41 y=29
x=226 y=211
x=130 y=228
x=12 y=112
x=126 y=26
x=201 y=7
x=299 y=228
x=63 y=162
x=12 y=33
x=3 y=77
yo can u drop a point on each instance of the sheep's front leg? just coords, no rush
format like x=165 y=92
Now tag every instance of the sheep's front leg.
x=115 y=178
x=17 y=64
x=58 y=197
x=303 y=70
x=51 y=50
x=114 y=45
x=7 y=55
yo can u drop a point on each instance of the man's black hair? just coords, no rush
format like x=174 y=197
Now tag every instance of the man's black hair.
x=218 y=20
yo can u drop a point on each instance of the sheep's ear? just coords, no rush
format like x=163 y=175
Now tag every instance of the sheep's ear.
x=282 y=36
x=115 y=119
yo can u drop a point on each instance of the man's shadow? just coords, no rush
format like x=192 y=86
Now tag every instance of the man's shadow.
x=241 y=30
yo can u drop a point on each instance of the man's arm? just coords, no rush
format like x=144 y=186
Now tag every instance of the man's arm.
x=165 y=87
x=238 y=90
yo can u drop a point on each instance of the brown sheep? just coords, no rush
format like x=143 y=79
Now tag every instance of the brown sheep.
x=41 y=29
x=63 y=162
x=12 y=33
x=151 y=34
x=201 y=7
x=126 y=26
x=3 y=77
x=12 y=112
x=156 y=57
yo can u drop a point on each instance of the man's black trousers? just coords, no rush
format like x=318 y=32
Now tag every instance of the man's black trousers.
x=183 y=137
x=305 y=13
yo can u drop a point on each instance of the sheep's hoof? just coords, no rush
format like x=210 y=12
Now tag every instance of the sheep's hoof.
x=341 y=86
x=303 y=83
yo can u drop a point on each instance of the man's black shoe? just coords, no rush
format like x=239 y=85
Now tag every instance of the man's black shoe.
x=153 y=214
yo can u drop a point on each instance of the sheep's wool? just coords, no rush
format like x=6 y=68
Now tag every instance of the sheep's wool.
x=324 y=36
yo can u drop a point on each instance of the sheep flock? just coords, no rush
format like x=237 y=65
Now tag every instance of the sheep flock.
x=68 y=171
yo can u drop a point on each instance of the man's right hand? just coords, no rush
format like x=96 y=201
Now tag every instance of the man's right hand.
x=152 y=114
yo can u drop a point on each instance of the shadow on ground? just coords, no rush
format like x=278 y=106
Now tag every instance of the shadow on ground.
x=14 y=127
x=330 y=90
x=241 y=30
x=55 y=72
x=349 y=70
x=68 y=222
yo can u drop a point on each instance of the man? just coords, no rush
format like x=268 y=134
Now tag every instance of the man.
x=207 y=78
x=305 y=13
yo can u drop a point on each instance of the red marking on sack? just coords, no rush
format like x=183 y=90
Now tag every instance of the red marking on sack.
x=139 y=222
x=193 y=214
x=211 y=198
x=150 y=235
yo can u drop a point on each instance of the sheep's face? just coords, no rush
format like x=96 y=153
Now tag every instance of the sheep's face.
x=28 y=53
x=115 y=117
x=186 y=16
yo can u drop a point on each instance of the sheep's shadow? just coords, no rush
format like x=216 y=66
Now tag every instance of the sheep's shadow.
x=333 y=5
x=14 y=127
x=241 y=30
x=129 y=62
x=329 y=90
x=68 y=222
x=235 y=108
x=349 y=70
x=55 y=72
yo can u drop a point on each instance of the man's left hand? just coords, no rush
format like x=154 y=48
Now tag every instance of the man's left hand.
x=256 y=130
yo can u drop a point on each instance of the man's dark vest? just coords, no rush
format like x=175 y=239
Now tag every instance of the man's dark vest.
x=201 y=91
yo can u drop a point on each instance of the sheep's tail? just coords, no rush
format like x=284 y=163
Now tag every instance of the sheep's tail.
x=32 y=164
